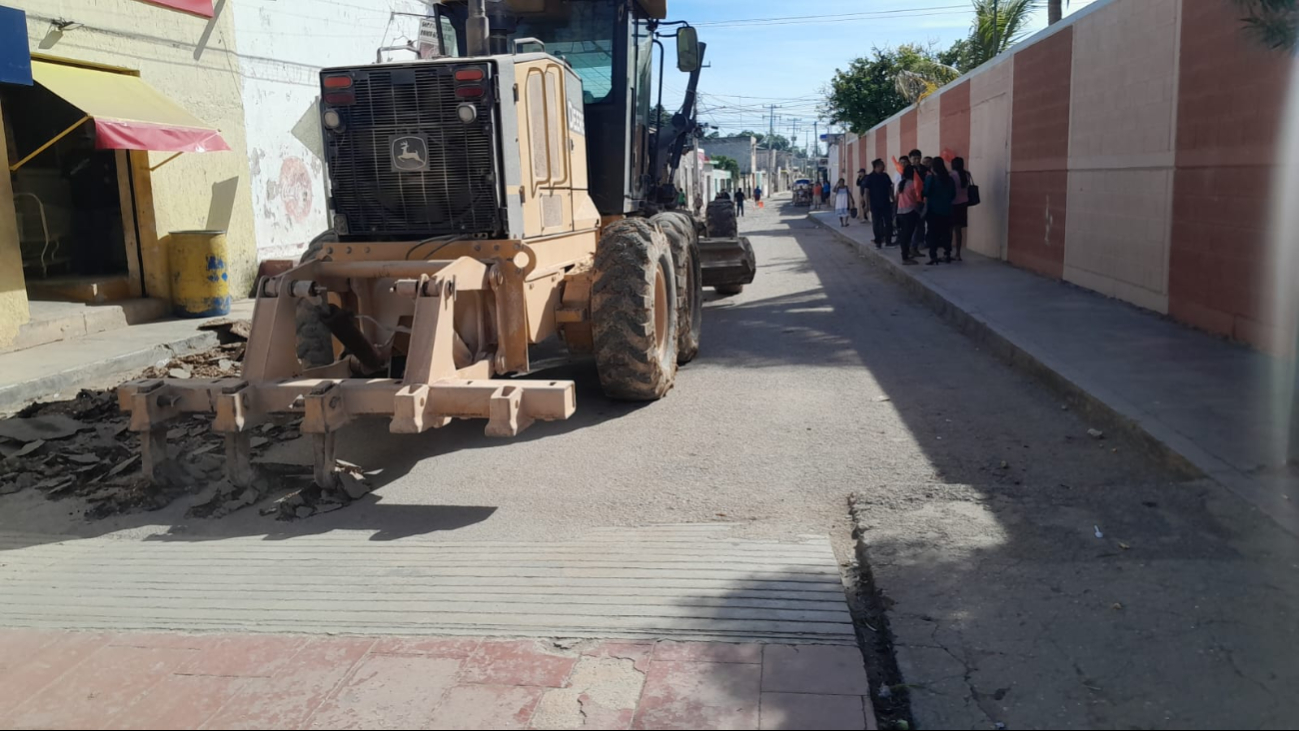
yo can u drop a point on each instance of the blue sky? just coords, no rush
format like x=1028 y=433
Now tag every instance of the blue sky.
x=787 y=62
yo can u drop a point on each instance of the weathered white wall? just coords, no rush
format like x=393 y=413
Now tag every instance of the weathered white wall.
x=283 y=44
x=1121 y=153
x=989 y=158
x=927 y=126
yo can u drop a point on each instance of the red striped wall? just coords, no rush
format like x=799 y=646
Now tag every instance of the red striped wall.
x=1039 y=163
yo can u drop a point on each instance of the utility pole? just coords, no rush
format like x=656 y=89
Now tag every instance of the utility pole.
x=816 y=137
x=771 y=141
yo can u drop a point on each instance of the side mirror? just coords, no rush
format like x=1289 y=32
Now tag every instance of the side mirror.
x=689 y=52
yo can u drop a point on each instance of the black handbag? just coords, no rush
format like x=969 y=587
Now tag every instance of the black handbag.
x=972 y=192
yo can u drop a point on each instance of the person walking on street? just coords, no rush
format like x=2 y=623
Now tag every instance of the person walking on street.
x=878 y=194
x=739 y=202
x=961 y=205
x=940 y=191
x=757 y=194
x=842 y=202
x=908 y=199
x=816 y=195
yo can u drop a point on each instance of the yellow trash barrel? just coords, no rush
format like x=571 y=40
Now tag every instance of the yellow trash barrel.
x=200 y=282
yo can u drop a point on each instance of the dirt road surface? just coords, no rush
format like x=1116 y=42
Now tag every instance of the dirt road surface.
x=1030 y=574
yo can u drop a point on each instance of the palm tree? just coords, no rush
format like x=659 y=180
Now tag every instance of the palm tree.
x=1054 y=11
x=998 y=25
x=1274 y=22
x=916 y=84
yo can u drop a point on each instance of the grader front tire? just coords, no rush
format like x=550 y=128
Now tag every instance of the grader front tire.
x=634 y=312
x=679 y=228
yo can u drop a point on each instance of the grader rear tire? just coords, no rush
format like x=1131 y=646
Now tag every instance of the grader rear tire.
x=633 y=312
x=679 y=228
x=315 y=344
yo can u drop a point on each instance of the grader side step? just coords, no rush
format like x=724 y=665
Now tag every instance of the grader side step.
x=327 y=405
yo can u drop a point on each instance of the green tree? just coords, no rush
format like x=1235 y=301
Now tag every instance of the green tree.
x=1274 y=22
x=960 y=56
x=869 y=91
x=722 y=162
x=660 y=118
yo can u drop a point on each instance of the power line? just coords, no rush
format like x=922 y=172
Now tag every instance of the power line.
x=839 y=17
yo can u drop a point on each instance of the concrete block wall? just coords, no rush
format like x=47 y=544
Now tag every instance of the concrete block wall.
x=1129 y=149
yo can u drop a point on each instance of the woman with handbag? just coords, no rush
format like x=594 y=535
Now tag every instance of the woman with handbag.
x=842 y=202
x=961 y=204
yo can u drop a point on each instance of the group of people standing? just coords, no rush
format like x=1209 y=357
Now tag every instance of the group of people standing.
x=927 y=204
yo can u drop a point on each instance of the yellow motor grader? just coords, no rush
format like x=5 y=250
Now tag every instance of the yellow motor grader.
x=511 y=187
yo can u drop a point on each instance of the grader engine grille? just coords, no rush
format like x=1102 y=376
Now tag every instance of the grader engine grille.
x=404 y=164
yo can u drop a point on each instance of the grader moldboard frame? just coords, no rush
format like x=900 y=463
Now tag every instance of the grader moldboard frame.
x=452 y=306
x=445 y=268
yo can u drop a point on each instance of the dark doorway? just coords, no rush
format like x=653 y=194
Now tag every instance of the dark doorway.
x=68 y=197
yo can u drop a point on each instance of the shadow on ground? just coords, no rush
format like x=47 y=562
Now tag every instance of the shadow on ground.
x=1040 y=577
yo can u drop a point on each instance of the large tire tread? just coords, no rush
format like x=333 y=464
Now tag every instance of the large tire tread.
x=679 y=228
x=722 y=223
x=631 y=365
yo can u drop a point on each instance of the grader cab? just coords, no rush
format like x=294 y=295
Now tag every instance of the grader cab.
x=509 y=189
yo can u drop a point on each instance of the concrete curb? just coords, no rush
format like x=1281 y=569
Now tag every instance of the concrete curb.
x=15 y=396
x=1105 y=410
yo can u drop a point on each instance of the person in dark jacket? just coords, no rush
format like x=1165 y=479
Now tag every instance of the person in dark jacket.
x=739 y=202
x=877 y=191
x=940 y=195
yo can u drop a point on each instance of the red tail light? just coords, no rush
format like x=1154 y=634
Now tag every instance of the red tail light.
x=470 y=92
x=337 y=82
x=340 y=98
x=469 y=75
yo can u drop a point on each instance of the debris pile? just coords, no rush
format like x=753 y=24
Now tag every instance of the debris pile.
x=83 y=448
x=313 y=500
x=219 y=362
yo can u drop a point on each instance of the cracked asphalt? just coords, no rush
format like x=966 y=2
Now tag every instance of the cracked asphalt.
x=980 y=501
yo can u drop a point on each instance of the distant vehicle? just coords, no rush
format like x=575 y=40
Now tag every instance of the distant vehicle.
x=803 y=192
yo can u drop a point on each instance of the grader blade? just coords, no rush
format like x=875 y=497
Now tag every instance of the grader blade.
x=727 y=262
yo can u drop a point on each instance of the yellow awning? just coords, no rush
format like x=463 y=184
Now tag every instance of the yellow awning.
x=128 y=113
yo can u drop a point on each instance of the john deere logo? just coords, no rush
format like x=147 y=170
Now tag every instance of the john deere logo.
x=409 y=153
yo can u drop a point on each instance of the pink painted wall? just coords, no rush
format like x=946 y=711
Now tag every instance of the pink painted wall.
x=1130 y=150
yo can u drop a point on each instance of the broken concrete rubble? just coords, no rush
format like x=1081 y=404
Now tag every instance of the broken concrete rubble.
x=83 y=448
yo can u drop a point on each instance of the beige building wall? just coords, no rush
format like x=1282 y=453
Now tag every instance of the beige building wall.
x=989 y=158
x=894 y=128
x=192 y=60
x=1121 y=150
x=927 y=126
x=13 y=290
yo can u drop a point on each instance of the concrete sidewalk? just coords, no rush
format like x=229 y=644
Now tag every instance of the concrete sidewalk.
x=171 y=681
x=1201 y=402
x=99 y=359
